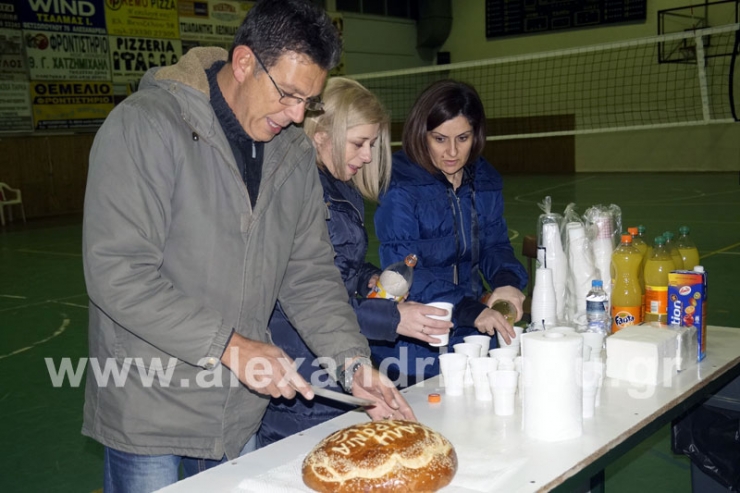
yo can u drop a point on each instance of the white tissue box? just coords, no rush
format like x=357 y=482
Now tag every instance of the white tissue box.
x=641 y=355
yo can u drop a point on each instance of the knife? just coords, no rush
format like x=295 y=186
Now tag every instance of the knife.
x=339 y=397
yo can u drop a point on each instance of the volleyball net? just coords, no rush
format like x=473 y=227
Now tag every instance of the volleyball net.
x=677 y=79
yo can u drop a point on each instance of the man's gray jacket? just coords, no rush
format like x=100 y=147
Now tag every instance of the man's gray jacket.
x=175 y=259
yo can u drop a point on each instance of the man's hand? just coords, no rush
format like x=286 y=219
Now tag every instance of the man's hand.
x=264 y=368
x=370 y=384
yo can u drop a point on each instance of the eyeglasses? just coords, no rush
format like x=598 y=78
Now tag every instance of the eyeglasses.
x=312 y=104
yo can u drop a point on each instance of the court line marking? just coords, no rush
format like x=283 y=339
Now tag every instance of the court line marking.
x=41 y=302
x=59 y=331
x=69 y=304
x=514 y=234
x=44 y=252
x=721 y=250
x=13 y=297
x=728 y=253
x=519 y=197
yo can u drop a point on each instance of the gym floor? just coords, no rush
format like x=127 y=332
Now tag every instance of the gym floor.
x=43 y=318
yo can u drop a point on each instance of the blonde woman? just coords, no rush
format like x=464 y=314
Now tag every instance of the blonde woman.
x=351 y=137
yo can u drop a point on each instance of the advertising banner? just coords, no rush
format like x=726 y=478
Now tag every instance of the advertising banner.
x=15 y=107
x=212 y=22
x=62 y=16
x=12 y=61
x=62 y=105
x=67 y=56
x=132 y=57
x=9 y=15
x=142 y=18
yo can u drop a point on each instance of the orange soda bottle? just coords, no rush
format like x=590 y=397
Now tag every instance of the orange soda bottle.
x=641 y=234
x=687 y=249
x=671 y=247
x=657 y=268
x=641 y=245
x=626 y=301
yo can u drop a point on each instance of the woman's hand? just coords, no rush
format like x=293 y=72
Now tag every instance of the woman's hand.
x=373 y=281
x=490 y=321
x=510 y=294
x=415 y=321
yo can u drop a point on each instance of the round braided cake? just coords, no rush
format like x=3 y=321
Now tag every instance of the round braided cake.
x=387 y=456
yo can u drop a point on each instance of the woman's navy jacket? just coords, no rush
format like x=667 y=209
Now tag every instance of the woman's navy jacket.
x=378 y=318
x=421 y=213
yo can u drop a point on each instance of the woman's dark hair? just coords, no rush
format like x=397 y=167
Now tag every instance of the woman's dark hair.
x=442 y=101
x=273 y=27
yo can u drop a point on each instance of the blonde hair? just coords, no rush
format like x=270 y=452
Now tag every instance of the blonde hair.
x=347 y=104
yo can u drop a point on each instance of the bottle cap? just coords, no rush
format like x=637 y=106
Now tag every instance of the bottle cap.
x=684 y=230
x=410 y=260
x=659 y=240
x=597 y=283
x=633 y=231
x=627 y=239
x=668 y=235
x=641 y=229
x=434 y=398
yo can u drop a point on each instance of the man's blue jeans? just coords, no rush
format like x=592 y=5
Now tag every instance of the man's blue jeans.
x=132 y=473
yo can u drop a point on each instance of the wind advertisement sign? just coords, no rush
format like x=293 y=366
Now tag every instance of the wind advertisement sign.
x=62 y=16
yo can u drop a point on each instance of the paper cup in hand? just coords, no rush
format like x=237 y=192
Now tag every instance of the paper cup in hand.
x=444 y=339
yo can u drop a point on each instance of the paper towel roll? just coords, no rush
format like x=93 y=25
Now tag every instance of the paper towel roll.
x=552 y=372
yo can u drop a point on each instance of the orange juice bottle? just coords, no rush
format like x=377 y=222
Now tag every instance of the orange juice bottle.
x=641 y=234
x=687 y=249
x=671 y=247
x=626 y=299
x=657 y=268
x=641 y=245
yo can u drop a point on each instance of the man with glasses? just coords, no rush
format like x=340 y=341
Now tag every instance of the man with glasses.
x=204 y=207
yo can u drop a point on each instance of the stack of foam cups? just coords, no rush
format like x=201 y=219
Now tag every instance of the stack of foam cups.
x=544 y=304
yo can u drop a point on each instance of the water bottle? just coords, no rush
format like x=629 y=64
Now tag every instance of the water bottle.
x=395 y=281
x=596 y=314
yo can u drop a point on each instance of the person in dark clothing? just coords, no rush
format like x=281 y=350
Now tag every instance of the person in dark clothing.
x=445 y=204
x=351 y=138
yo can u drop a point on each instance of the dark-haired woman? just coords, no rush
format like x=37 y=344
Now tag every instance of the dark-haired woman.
x=445 y=204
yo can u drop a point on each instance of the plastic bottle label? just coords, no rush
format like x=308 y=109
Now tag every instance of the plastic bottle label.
x=380 y=292
x=656 y=300
x=624 y=316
